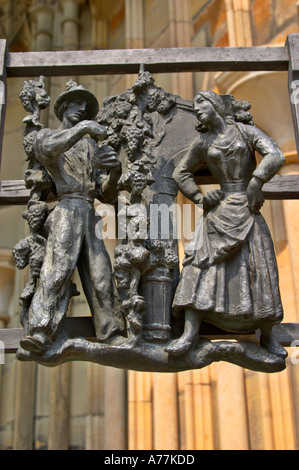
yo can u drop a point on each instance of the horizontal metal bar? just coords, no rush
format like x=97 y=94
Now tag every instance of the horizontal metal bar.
x=13 y=192
x=282 y=187
x=10 y=338
x=126 y=61
x=285 y=333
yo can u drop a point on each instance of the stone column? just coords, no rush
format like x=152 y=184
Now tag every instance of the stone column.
x=95 y=429
x=260 y=423
x=132 y=410
x=134 y=25
x=140 y=415
x=59 y=428
x=144 y=392
x=99 y=40
x=42 y=13
x=239 y=23
x=180 y=36
x=232 y=426
x=165 y=411
x=204 y=408
x=70 y=25
x=115 y=404
x=291 y=217
x=7 y=274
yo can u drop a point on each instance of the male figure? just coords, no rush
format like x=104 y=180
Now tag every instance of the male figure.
x=72 y=156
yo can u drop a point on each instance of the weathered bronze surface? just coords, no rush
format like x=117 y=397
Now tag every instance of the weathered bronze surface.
x=135 y=152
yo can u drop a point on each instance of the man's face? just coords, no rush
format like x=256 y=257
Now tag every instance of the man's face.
x=76 y=111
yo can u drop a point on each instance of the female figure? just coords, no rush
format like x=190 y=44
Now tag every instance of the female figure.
x=229 y=278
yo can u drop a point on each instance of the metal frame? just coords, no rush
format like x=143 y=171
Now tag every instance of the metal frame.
x=127 y=61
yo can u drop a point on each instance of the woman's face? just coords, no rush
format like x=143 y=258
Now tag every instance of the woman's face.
x=204 y=110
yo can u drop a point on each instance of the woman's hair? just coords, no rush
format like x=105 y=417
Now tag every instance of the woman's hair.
x=227 y=107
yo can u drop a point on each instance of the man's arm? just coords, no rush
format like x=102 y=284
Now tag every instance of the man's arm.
x=109 y=186
x=61 y=141
x=105 y=157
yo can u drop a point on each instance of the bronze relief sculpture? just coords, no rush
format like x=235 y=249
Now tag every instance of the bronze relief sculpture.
x=136 y=151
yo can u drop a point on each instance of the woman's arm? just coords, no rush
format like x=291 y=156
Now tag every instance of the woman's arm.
x=184 y=172
x=273 y=160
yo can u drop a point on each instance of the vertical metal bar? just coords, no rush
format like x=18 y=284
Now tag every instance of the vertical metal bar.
x=292 y=44
x=3 y=90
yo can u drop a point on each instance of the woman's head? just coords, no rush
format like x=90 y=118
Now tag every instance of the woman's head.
x=225 y=106
x=209 y=106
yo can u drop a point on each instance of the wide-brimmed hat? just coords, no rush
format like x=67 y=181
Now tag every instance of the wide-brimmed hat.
x=73 y=91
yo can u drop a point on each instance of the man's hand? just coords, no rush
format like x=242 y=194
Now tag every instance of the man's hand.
x=108 y=158
x=95 y=130
x=255 y=194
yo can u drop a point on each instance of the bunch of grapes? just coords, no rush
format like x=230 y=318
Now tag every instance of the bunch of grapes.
x=28 y=143
x=139 y=182
x=114 y=140
x=134 y=139
x=122 y=109
x=171 y=259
